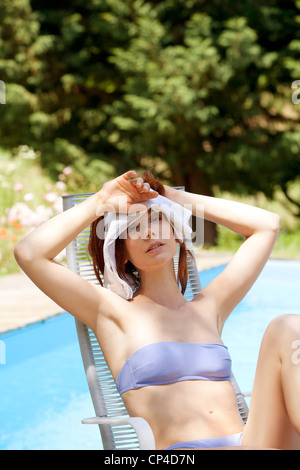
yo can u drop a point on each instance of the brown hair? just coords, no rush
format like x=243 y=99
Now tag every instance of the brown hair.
x=127 y=271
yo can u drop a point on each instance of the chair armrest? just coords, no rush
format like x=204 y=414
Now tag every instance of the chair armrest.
x=140 y=425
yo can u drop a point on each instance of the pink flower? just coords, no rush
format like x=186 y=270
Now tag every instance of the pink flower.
x=21 y=213
x=18 y=187
x=61 y=185
x=51 y=197
x=43 y=214
x=58 y=205
x=67 y=170
x=28 y=197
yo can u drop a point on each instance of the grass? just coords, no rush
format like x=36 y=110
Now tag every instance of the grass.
x=288 y=243
x=29 y=196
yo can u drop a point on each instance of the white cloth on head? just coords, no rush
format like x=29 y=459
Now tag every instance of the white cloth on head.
x=115 y=225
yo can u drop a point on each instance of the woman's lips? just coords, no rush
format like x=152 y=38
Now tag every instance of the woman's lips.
x=154 y=247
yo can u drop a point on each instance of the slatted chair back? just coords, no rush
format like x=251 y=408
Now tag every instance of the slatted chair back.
x=105 y=396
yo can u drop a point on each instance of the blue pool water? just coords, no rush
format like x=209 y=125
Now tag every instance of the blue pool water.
x=277 y=291
x=43 y=389
x=44 y=394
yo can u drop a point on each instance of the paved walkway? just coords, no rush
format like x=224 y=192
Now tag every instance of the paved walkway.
x=22 y=303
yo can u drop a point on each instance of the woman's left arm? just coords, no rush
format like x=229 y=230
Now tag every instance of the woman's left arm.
x=260 y=229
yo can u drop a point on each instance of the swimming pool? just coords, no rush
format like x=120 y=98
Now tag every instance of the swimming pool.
x=44 y=394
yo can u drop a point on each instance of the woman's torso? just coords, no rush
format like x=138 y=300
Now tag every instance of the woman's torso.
x=179 y=411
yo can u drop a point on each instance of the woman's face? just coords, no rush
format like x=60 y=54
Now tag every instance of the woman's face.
x=150 y=241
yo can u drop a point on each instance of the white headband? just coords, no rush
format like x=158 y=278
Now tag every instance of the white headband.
x=116 y=224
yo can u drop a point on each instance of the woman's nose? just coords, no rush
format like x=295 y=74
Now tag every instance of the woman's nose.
x=149 y=232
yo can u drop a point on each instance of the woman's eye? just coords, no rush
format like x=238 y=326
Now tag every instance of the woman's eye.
x=133 y=228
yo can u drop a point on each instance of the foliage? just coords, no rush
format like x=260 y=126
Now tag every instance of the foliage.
x=207 y=90
x=19 y=31
x=199 y=91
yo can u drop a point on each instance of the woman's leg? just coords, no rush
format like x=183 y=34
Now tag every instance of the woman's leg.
x=274 y=414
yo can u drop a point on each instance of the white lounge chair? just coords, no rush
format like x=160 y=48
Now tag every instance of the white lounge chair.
x=118 y=430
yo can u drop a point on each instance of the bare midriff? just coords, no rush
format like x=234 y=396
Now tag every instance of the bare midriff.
x=187 y=410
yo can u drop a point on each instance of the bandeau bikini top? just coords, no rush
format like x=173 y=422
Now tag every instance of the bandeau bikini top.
x=169 y=362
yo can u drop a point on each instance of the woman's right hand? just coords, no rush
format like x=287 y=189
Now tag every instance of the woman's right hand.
x=125 y=194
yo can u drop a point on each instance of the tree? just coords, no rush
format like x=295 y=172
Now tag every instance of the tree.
x=77 y=83
x=199 y=91
x=19 y=35
x=207 y=97
x=67 y=78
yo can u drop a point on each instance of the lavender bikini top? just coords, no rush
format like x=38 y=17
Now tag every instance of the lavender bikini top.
x=169 y=362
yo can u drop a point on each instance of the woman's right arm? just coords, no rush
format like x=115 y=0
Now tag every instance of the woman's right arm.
x=36 y=252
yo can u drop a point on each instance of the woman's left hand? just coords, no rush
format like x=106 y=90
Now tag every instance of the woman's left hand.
x=125 y=194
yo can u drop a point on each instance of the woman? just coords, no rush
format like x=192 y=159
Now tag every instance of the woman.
x=195 y=408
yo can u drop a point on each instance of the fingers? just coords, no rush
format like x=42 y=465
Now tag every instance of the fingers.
x=129 y=174
x=135 y=181
x=139 y=184
x=144 y=190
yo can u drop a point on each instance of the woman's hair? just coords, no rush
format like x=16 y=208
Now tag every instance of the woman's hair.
x=127 y=271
